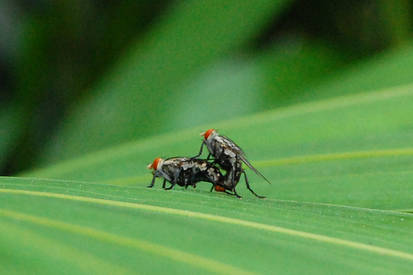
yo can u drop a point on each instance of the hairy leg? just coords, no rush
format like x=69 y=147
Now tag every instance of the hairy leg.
x=153 y=182
x=170 y=187
x=248 y=186
x=200 y=151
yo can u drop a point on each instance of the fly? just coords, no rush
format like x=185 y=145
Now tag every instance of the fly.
x=229 y=156
x=188 y=172
x=185 y=172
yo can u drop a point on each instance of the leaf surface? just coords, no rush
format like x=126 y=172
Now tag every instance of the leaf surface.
x=141 y=91
x=341 y=172
x=352 y=150
x=135 y=229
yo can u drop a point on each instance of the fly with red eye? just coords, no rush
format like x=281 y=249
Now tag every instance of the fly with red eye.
x=188 y=172
x=229 y=156
x=185 y=172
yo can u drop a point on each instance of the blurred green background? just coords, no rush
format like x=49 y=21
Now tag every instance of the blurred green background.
x=82 y=75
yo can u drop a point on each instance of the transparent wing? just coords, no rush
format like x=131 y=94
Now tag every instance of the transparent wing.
x=240 y=153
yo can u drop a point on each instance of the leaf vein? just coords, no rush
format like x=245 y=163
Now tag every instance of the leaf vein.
x=271 y=228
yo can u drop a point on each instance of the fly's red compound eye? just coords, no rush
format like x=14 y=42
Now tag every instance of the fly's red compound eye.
x=207 y=133
x=154 y=164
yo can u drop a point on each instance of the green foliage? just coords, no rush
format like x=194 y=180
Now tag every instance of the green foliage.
x=142 y=90
x=9 y=130
x=341 y=173
x=366 y=122
x=330 y=127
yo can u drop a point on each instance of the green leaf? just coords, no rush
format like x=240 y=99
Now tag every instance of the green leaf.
x=300 y=148
x=341 y=173
x=250 y=85
x=100 y=228
x=142 y=90
x=385 y=70
x=10 y=128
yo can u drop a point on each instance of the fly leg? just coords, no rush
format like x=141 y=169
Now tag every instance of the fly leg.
x=248 y=186
x=164 y=183
x=188 y=182
x=170 y=187
x=235 y=193
x=200 y=151
x=153 y=182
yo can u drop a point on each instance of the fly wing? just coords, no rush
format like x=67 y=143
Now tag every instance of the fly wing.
x=229 y=144
x=240 y=153
x=244 y=159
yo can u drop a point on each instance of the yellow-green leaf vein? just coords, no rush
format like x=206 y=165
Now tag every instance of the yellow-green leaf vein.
x=271 y=228
x=161 y=250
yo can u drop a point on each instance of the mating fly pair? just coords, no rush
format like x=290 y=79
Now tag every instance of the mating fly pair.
x=189 y=171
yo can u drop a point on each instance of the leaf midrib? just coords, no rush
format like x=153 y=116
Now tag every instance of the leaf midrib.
x=358 y=208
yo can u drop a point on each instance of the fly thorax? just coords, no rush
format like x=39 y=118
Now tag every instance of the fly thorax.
x=162 y=170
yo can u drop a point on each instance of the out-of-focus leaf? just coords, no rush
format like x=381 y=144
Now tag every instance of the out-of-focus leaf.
x=246 y=85
x=140 y=94
x=341 y=180
x=10 y=128
x=385 y=70
x=353 y=150
x=397 y=16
